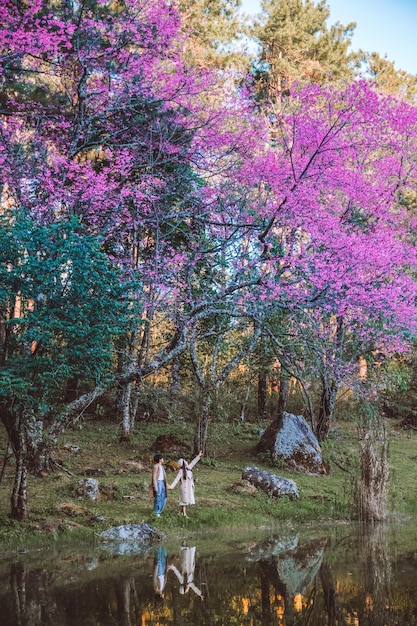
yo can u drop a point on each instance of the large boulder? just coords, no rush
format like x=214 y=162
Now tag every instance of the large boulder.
x=290 y=441
x=270 y=483
x=138 y=533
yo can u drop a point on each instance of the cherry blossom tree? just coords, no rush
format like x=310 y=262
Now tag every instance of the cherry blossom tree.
x=341 y=231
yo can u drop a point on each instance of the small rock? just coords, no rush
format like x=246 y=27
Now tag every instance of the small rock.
x=70 y=448
x=88 y=488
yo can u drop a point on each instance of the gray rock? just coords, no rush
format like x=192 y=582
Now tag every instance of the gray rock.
x=272 y=484
x=88 y=488
x=136 y=533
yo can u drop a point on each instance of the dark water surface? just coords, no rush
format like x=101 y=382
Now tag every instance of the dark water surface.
x=340 y=576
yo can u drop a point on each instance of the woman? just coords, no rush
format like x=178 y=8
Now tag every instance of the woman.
x=159 y=484
x=186 y=480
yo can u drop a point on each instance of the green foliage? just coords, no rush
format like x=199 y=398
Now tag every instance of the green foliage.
x=390 y=80
x=61 y=305
x=212 y=28
x=297 y=45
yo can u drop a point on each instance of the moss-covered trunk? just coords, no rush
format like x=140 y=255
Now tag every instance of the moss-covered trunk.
x=372 y=490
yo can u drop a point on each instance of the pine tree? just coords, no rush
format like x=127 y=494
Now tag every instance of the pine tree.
x=390 y=80
x=212 y=29
x=297 y=45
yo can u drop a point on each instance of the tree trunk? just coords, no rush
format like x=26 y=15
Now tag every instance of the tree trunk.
x=372 y=492
x=38 y=451
x=175 y=381
x=124 y=410
x=242 y=415
x=71 y=390
x=262 y=394
x=124 y=404
x=284 y=386
x=203 y=421
x=326 y=412
x=18 y=500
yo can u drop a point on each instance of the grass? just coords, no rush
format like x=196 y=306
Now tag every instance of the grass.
x=123 y=470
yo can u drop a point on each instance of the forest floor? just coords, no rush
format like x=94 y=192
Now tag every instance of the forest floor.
x=123 y=471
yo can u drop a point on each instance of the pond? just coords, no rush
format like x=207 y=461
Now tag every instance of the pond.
x=342 y=576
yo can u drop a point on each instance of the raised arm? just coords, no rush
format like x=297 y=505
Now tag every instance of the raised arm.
x=195 y=460
x=177 y=573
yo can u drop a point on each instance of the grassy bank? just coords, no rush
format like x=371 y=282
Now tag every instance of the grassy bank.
x=123 y=471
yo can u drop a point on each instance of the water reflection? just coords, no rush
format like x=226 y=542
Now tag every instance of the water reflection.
x=185 y=575
x=160 y=571
x=377 y=576
x=287 y=573
x=350 y=576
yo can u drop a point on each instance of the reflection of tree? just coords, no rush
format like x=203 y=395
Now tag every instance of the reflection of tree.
x=269 y=576
x=377 y=575
x=208 y=609
x=331 y=601
x=125 y=592
x=31 y=595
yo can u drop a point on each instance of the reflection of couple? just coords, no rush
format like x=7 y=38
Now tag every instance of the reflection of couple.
x=185 y=574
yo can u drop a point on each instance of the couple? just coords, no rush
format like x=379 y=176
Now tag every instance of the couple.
x=184 y=477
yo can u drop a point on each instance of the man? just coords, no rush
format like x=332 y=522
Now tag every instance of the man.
x=159 y=484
